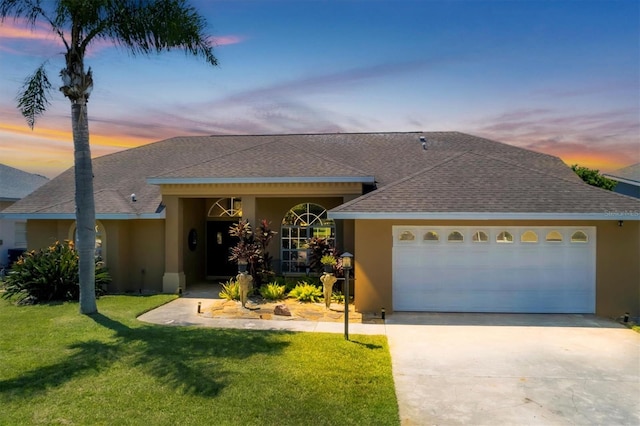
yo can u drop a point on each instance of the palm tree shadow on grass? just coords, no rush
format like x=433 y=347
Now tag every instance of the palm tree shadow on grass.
x=190 y=360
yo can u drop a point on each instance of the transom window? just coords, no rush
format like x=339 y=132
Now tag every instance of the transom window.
x=579 y=237
x=226 y=207
x=431 y=236
x=480 y=237
x=554 y=237
x=529 y=237
x=504 y=237
x=299 y=225
x=455 y=237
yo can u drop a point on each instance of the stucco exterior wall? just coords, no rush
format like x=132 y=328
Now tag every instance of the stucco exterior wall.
x=617 y=262
x=134 y=249
x=194 y=260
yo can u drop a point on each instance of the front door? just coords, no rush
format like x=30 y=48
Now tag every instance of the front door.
x=218 y=244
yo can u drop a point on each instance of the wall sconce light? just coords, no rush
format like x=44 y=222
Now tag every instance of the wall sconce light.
x=620 y=223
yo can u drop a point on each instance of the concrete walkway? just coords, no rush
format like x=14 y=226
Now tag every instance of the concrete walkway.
x=483 y=369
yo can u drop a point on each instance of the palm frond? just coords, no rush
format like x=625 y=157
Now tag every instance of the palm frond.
x=34 y=95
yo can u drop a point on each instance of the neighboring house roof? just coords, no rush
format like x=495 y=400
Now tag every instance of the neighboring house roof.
x=471 y=174
x=16 y=184
x=630 y=175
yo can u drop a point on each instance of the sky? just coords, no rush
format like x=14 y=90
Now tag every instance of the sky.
x=554 y=76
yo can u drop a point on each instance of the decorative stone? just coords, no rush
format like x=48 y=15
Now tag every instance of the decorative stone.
x=282 y=310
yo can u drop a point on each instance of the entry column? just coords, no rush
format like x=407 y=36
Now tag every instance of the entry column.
x=174 y=279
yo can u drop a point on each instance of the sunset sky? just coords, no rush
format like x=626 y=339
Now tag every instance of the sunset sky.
x=559 y=77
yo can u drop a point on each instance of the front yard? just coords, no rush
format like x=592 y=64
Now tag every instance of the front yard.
x=60 y=367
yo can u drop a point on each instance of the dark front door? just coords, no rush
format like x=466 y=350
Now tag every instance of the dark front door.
x=218 y=244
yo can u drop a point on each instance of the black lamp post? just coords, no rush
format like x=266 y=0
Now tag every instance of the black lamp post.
x=346 y=267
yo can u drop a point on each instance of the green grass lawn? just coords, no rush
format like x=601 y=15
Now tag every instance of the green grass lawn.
x=60 y=367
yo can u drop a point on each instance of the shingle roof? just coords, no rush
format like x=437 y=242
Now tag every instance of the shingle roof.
x=16 y=184
x=630 y=174
x=476 y=183
x=467 y=172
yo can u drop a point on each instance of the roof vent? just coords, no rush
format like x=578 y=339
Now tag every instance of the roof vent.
x=424 y=142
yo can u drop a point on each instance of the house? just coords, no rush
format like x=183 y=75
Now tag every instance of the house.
x=437 y=221
x=14 y=185
x=628 y=179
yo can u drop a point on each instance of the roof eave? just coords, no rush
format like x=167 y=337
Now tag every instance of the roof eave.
x=72 y=216
x=273 y=179
x=607 y=215
x=623 y=180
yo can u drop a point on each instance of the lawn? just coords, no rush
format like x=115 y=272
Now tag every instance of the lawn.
x=60 y=367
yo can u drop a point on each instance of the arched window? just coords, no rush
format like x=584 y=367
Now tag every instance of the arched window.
x=226 y=207
x=529 y=237
x=579 y=237
x=554 y=237
x=101 y=241
x=431 y=236
x=480 y=237
x=504 y=237
x=300 y=224
x=455 y=237
x=407 y=236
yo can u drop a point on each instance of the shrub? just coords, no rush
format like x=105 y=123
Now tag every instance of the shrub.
x=230 y=290
x=306 y=293
x=272 y=291
x=50 y=274
x=337 y=297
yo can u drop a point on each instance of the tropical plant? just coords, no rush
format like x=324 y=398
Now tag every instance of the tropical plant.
x=328 y=260
x=337 y=296
x=50 y=274
x=252 y=248
x=304 y=292
x=593 y=177
x=319 y=248
x=272 y=291
x=141 y=27
x=230 y=290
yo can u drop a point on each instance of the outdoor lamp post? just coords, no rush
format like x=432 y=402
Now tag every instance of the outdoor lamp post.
x=346 y=267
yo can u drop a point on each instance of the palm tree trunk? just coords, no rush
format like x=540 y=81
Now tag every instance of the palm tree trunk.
x=85 y=208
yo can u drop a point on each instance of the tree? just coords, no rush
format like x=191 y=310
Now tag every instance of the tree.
x=141 y=27
x=593 y=177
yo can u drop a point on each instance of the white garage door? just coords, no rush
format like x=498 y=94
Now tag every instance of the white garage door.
x=494 y=269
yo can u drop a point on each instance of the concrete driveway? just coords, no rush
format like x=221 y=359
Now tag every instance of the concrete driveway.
x=512 y=369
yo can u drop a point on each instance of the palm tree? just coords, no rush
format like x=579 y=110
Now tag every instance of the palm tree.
x=140 y=26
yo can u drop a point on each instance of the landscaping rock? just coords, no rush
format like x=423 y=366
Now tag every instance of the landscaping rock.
x=282 y=310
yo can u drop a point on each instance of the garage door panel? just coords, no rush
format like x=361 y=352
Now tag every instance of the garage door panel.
x=467 y=276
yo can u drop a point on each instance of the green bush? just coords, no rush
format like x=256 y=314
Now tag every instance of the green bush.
x=337 y=297
x=49 y=274
x=230 y=290
x=306 y=293
x=272 y=291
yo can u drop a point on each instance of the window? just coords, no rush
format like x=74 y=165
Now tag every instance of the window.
x=554 y=237
x=226 y=207
x=504 y=237
x=529 y=237
x=455 y=237
x=579 y=237
x=20 y=235
x=480 y=237
x=101 y=241
x=300 y=224
x=407 y=236
x=431 y=236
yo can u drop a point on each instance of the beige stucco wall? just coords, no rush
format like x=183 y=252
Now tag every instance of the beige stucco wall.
x=134 y=249
x=617 y=262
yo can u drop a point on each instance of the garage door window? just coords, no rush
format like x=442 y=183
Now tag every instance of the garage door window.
x=407 y=236
x=529 y=237
x=579 y=237
x=455 y=237
x=554 y=237
x=480 y=237
x=431 y=236
x=504 y=237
